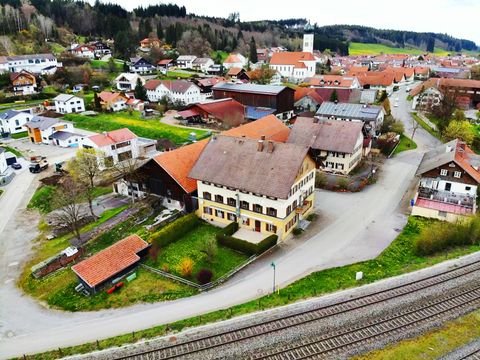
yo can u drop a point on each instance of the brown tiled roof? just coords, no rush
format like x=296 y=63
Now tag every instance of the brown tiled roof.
x=112 y=137
x=291 y=58
x=329 y=135
x=237 y=163
x=331 y=80
x=110 y=261
x=165 y=61
x=440 y=83
x=234 y=71
x=232 y=58
x=376 y=78
x=15 y=75
x=108 y=96
x=228 y=110
x=269 y=126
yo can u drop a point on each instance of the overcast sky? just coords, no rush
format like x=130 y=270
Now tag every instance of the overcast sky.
x=458 y=18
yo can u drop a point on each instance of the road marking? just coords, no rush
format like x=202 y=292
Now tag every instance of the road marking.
x=15 y=263
x=8 y=281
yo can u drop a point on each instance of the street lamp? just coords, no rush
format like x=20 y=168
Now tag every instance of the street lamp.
x=273 y=266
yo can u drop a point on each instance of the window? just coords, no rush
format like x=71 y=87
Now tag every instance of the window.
x=219 y=214
x=257 y=208
x=294 y=205
x=457 y=174
x=444 y=172
x=272 y=211
x=289 y=209
x=207 y=195
x=207 y=210
x=468 y=188
x=124 y=156
x=245 y=205
x=246 y=221
x=232 y=217
x=219 y=199
x=231 y=202
x=271 y=228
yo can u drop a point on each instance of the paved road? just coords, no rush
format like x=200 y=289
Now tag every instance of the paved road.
x=355 y=227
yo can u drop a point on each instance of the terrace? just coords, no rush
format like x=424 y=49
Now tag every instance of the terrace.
x=464 y=200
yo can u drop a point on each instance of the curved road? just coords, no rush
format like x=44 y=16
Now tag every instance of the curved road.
x=355 y=227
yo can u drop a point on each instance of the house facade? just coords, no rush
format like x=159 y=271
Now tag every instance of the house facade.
x=202 y=64
x=44 y=64
x=295 y=66
x=128 y=81
x=83 y=51
x=41 y=128
x=12 y=122
x=67 y=104
x=235 y=60
x=185 y=61
x=113 y=146
x=113 y=101
x=231 y=189
x=449 y=178
x=139 y=65
x=177 y=91
x=23 y=83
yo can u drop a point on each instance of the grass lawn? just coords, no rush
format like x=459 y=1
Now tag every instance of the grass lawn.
x=189 y=246
x=19 y=135
x=405 y=144
x=356 y=48
x=151 y=128
x=426 y=127
x=172 y=74
x=21 y=104
x=14 y=151
x=434 y=344
x=223 y=55
x=99 y=64
x=398 y=258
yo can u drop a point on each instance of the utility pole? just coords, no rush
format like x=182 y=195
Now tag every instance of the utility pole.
x=273 y=266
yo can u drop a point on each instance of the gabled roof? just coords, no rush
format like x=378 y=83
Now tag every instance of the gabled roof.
x=64 y=97
x=165 y=61
x=137 y=59
x=228 y=110
x=302 y=92
x=112 y=137
x=291 y=58
x=269 y=126
x=199 y=61
x=329 y=135
x=31 y=57
x=233 y=58
x=179 y=86
x=234 y=71
x=440 y=83
x=186 y=58
x=129 y=77
x=453 y=151
x=210 y=81
x=15 y=75
x=110 y=261
x=237 y=163
x=64 y=135
x=375 y=78
x=349 y=111
x=331 y=81
x=41 y=122
x=9 y=114
x=108 y=96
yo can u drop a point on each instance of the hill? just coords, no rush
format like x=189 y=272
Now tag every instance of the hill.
x=50 y=25
x=377 y=49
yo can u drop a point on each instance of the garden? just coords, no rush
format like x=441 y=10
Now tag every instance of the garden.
x=148 y=128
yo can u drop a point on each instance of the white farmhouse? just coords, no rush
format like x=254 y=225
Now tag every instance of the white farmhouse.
x=44 y=64
x=128 y=81
x=113 y=146
x=12 y=122
x=202 y=64
x=185 y=61
x=67 y=104
x=175 y=90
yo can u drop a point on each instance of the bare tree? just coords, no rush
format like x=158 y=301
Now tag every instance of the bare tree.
x=85 y=168
x=68 y=199
x=128 y=171
x=415 y=125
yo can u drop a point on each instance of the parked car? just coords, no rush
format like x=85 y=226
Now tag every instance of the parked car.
x=16 y=166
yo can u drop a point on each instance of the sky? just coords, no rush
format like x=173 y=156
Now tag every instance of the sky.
x=458 y=18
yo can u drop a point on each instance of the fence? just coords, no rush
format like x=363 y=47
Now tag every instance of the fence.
x=203 y=287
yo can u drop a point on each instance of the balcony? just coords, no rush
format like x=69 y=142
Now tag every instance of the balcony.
x=447 y=197
x=307 y=204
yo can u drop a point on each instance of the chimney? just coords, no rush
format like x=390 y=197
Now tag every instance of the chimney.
x=270 y=147
x=263 y=137
x=260 y=145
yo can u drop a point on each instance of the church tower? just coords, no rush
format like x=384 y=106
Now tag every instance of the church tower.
x=308 y=43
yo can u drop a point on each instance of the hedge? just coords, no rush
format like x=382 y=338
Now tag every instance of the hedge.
x=39 y=96
x=175 y=230
x=226 y=239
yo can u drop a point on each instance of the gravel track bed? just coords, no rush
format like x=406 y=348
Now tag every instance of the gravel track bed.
x=241 y=349
x=470 y=351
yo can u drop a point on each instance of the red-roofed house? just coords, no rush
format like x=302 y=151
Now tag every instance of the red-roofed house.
x=294 y=65
x=307 y=99
x=111 y=263
x=113 y=101
x=449 y=178
x=226 y=113
x=334 y=81
x=182 y=91
x=115 y=146
x=235 y=60
x=167 y=173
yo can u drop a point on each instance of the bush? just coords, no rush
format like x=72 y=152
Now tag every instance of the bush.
x=245 y=246
x=342 y=183
x=321 y=180
x=210 y=249
x=185 y=267
x=204 y=276
x=175 y=230
x=266 y=243
x=297 y=231
x=230 y=229
x=311 y=217
x=442 y=235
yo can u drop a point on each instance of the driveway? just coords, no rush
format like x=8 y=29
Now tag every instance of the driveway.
x=356 y=227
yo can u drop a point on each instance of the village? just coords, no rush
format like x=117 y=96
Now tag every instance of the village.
x=170 y=175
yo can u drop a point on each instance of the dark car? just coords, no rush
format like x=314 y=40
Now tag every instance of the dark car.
x=16 y=166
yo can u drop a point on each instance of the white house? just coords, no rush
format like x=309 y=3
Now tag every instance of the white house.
x=449 y=178
x=12 y=122
x=84 y=51
x=175 y=90
x=66 y=139
x=295 y=66
x=185 y=61
x=67 y=104
x=141 y=66
x=235 y=60
x=41 y=128
x=44 y=64
x=113 y=146
x=128 y=81
x=202 y=64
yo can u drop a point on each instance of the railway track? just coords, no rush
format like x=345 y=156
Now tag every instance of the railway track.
x=473 y=355
x=325 y=347
x=209 y=342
